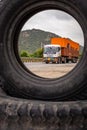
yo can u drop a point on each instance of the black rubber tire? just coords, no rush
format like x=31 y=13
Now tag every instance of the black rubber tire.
x=20 y=82
x=22 y=114
x=17 y=114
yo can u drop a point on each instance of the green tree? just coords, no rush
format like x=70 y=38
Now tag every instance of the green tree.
x=24 y=53
x=38 y=53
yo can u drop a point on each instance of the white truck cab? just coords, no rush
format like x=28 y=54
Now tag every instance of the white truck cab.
x=51 y=53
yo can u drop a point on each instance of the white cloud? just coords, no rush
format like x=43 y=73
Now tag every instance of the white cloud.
x=57 y=22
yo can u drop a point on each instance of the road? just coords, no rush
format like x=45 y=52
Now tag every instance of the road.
x=49 y=70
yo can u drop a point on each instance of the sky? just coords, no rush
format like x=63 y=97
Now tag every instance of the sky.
x=58 y=22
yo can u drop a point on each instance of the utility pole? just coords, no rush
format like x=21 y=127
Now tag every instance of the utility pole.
x=41 y=45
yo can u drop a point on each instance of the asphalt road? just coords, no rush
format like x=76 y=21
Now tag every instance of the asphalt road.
x=49 y=70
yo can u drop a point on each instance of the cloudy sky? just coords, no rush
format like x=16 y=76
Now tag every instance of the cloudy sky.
x=57 y=22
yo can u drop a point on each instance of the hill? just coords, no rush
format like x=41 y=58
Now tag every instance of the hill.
x=31 y=40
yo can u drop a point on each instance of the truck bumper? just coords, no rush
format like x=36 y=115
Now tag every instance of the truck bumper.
x=50 y=59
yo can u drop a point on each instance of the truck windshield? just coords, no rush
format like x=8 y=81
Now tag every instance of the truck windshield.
x=51 y=50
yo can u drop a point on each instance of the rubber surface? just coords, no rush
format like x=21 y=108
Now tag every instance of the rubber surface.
x=33 y=115
x=23 y=114
x=17 y=80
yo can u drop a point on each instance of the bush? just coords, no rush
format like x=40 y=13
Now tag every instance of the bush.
x=24 y=54
x=38 y=53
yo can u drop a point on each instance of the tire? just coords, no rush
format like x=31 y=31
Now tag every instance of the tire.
x=47 y=62
x=63 y=60
x=33 y=115
x=26 y=114
x=74 y=60
x=59 y=61
x=20 y=82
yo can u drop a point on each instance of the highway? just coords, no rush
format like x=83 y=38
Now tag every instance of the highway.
x=49 y=70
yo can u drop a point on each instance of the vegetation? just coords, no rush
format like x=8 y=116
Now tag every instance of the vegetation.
x=32 y=40
x=24 y=53
x=37 y=54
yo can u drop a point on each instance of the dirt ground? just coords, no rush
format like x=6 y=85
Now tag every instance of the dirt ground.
x=50 y=70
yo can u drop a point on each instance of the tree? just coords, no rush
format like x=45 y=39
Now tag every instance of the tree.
x=24 y=53
x=38 y=53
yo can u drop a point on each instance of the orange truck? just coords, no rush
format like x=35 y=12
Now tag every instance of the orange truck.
x=61 y=50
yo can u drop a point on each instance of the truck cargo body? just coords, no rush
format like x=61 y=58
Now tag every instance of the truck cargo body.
x=69 y=51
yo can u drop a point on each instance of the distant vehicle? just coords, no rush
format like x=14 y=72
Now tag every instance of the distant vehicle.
x=61 y=50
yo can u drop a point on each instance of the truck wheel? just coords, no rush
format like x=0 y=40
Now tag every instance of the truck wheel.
x=59 y=60
x=64 y=60
x=20 y=82
x=67 y=61
x=46 y=62
x=74 y=60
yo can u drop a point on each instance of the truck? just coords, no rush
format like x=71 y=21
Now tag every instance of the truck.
x=61 y=50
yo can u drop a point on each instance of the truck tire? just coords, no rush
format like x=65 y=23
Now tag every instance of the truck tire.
x=18 y=114
x=20 y=82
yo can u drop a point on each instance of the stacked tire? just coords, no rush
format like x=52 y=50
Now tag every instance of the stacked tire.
x=17 y=81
